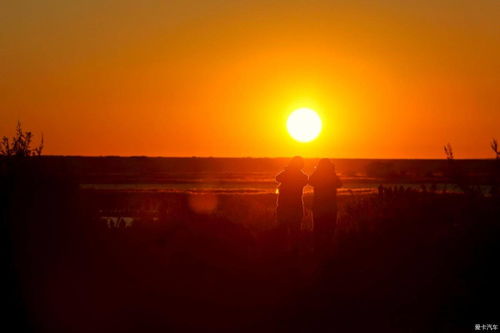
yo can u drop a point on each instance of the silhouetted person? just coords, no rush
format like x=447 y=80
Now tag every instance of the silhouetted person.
x=325 y=182
x=290 y=208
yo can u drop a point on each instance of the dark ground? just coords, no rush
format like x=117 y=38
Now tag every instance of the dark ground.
x=402 y=261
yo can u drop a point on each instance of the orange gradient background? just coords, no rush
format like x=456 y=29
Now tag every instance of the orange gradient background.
x=390 y=79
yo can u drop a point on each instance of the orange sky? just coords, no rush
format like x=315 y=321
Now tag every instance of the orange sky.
x=390 y=79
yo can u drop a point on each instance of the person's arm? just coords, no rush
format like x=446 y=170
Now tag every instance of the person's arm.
x=280 y=177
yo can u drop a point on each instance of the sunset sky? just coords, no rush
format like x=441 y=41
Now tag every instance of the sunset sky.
x=390 y=79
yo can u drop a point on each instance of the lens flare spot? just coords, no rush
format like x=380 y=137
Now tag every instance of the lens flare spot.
x=203 y=203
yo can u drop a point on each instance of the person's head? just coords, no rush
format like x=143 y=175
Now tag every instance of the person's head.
x=325 y=165
x=296 y=163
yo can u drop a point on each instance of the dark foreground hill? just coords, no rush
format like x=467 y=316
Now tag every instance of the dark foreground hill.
x=401 y=261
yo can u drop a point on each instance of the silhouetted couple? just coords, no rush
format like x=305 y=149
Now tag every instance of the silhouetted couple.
x=290 y=210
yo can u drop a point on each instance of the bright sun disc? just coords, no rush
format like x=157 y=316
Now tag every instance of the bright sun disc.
x=304 y=125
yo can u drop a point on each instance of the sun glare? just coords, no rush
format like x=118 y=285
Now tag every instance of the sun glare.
x=304 y=125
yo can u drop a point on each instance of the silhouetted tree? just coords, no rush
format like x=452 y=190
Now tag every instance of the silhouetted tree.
x=20 y=144
x=494 y=147
x=495 y=177
x=448 y=150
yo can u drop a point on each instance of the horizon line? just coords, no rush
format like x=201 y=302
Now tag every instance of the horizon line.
x=263 y=157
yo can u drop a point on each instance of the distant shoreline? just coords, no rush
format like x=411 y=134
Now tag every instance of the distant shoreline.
x=260 y=158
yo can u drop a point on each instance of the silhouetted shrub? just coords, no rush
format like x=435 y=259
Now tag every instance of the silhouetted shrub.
x=20 y=144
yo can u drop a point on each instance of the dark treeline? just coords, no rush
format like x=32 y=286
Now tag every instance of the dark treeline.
x=157 y=169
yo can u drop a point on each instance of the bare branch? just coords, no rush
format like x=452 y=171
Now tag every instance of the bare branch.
x=448 y=150
x=494 y=147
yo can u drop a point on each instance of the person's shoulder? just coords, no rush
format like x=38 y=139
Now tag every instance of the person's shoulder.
x=280 y=175
x=283 y=172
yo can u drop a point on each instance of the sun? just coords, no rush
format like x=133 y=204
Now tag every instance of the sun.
x=304 y=125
